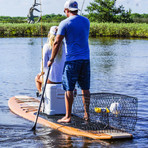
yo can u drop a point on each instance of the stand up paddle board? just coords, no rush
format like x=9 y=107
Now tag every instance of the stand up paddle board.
x=27 y=108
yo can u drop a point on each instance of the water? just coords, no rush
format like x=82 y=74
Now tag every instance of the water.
x=117 y=66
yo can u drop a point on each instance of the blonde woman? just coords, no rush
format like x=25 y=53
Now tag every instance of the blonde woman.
x=56 y=70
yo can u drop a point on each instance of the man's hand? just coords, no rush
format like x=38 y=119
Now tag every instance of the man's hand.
x=50 y=62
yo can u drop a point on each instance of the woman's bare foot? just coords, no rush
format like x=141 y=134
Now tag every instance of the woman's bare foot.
x=65 y=120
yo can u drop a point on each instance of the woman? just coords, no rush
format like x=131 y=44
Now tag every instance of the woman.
x=56 y=70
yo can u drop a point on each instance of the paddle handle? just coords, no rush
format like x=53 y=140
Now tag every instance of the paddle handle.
x=34 y=127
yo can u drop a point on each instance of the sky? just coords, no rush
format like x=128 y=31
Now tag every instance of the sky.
x=21 y=7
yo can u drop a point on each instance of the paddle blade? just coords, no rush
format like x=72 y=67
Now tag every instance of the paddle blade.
x=33 y=128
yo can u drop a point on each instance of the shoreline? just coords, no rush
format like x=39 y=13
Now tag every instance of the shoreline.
x=134 y=30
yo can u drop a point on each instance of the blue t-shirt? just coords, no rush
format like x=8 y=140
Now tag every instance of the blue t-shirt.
x=76 y=32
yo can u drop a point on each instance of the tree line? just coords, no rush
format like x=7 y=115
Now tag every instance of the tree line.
x=97 y=11
x=51 y=18
x=106 y=11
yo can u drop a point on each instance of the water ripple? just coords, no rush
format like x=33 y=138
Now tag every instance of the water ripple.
x=117 y=66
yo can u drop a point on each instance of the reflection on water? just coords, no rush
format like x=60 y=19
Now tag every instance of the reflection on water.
x=117 y=66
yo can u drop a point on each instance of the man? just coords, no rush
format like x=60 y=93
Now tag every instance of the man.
x=75 y=29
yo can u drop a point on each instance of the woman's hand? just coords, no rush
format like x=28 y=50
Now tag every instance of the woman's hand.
x=40 y=74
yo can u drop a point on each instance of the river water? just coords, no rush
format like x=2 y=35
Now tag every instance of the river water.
x=117 y=66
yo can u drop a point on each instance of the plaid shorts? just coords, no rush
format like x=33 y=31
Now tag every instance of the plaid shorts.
x=76 y=71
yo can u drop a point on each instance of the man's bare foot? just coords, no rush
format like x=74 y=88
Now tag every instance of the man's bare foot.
x=86 y=118
x=65 y=120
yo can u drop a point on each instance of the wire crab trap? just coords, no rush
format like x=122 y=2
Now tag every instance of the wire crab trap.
x=108 y=112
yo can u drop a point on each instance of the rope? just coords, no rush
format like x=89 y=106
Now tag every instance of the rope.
x=41 y=39
x=82 y=6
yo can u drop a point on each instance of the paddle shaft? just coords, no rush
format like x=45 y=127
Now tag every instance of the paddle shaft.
x=34 y=127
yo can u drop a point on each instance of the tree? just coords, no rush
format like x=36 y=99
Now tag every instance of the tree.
x=105 y=11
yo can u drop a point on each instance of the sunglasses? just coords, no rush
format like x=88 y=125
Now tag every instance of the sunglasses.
x=65 y=10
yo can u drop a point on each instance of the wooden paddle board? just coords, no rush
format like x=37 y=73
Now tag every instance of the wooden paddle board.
x=27 y=108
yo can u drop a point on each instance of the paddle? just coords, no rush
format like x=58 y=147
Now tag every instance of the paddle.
x=42 y=98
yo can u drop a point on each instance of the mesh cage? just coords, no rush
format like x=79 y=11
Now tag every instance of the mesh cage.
x=107 y=112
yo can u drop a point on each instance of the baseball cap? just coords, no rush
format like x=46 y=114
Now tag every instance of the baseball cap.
x=72 y=5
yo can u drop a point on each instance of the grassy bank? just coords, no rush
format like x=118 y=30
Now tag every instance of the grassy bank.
x=24 y=29
x=119 y=30
x=96 y=29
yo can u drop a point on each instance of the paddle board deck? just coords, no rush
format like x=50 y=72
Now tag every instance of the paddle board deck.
x=27 y=108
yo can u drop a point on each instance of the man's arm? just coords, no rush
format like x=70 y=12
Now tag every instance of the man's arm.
x=55 y=48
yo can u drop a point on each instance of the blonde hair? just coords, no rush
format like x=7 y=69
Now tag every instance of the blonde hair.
x=51 y=40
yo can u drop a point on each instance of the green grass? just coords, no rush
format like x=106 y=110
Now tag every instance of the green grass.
x=119 y=30
x=24 y=29
x=96 y=29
